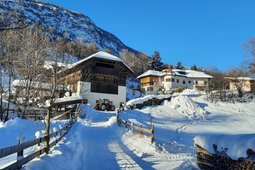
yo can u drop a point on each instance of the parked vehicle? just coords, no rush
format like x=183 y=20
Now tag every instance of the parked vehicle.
x=104 y=104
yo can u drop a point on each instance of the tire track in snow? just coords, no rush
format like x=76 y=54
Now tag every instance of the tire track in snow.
x=102 y=150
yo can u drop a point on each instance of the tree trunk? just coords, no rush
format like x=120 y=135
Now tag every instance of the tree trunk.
x=47 y=130
x=9 y=89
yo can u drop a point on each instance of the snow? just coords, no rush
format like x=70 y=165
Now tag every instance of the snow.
x=177 y=72
x=132 y=90
x=50 y=64
x=69 y=98
x=150 y=73
x=236 y=144
x=96 y=141
x=186 y=106
x=145 y=98
x=35 y=84
x=191 y=73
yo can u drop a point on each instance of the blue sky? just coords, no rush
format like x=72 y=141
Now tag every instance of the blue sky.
x=201 y=32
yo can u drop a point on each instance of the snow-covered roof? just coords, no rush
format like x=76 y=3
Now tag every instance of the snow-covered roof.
x=196 y=74
x=150 y=73
x=241 y=78
x=50 y=64
x=67 y=99
x=102 y=55
x=177 y=72
x=22 y=83
x=35 y=84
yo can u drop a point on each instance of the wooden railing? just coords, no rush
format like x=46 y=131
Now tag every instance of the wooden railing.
x=21 y=160
x=138 y=130
x=64 y=114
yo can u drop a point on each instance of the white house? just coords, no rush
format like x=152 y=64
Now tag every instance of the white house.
x=153 y=82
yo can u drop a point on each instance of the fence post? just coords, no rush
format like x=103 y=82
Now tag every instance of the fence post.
x=38 y=135
x=152 y=133
x=20 y=153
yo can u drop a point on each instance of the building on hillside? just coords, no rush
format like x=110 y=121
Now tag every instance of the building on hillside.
x=39 y=91
x=153 y=82
x=100 y=75
x=246 y=84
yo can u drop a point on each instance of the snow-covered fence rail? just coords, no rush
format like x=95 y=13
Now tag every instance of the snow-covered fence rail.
x=138 y=130
x=65 y=114
x=207 y=160
x=19 y=148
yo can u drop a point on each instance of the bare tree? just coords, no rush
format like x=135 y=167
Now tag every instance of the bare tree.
x=9 y=51
x=30 y=65
x=250 y=48
x=139 y=63
x=57 y=55
x=234 y=75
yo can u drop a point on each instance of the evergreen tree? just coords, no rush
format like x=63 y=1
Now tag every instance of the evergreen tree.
x=155 y=62
x=194 y=67
x=179 y=66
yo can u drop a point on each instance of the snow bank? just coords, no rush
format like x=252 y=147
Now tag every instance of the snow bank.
x=99 y=118
x=145 y=98
x=186 y=106
x=17 y=127
x=191 y=92
x=237 y=144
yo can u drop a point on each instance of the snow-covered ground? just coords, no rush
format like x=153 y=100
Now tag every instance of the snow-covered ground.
x=96 y=141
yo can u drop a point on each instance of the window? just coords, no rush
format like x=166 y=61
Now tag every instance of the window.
x=172 y=79
x=205 y=82
x=104 y=88
x=183 y=82
x=177 y=80
x=189 y=81
x=168 y=80
x=149 y=88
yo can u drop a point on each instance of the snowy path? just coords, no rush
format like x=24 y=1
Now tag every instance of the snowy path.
x=101 y=149
x=91 y=145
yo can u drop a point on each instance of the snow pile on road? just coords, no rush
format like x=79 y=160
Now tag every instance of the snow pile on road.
x=237 y=145
x=101 y=118
x=187 y=107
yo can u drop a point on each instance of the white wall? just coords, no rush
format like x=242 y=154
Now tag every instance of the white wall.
x=84 y=90
x=172 y=85
x=156 y=88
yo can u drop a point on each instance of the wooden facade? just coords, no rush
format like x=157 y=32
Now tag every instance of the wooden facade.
x=104 y=75
x=149 y=80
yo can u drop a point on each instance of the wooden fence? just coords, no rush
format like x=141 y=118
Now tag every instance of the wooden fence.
x=21 y=160
x=138 y=130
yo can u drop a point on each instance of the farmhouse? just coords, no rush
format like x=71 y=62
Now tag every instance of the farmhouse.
x=153 y=82
x=247 y=84
x=100 y=75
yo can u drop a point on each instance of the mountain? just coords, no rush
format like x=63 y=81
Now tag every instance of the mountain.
x=62 y=22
